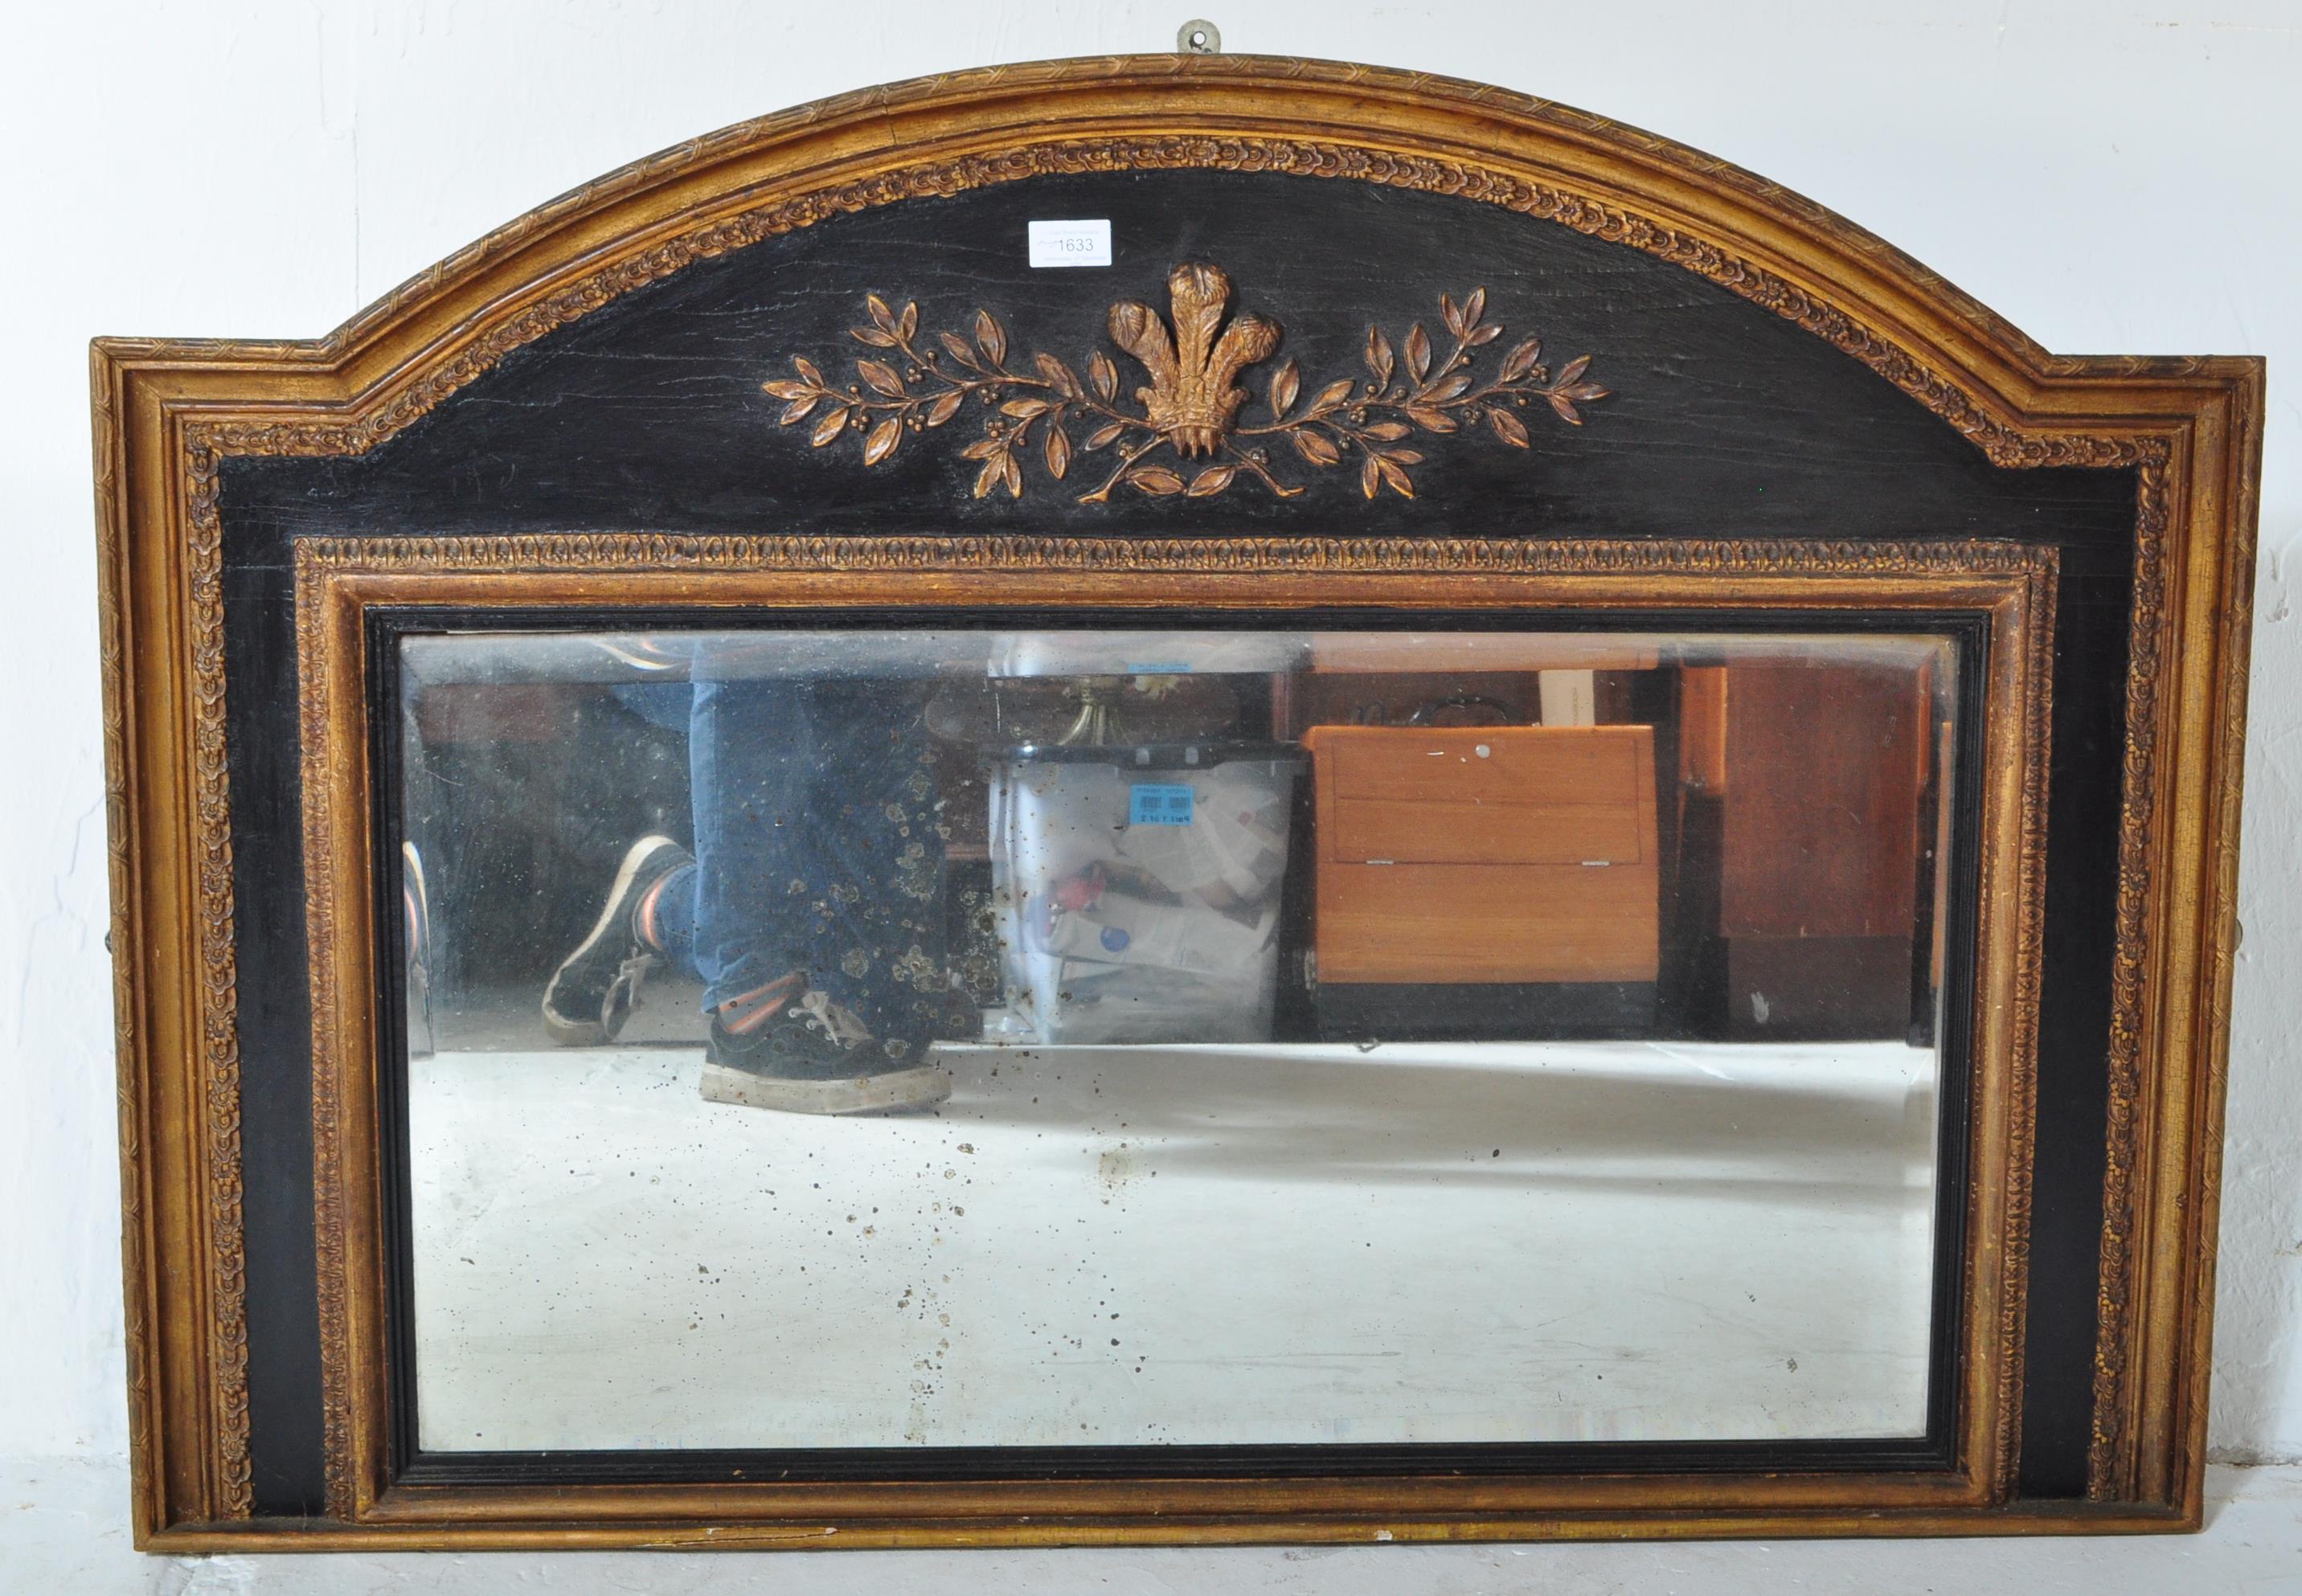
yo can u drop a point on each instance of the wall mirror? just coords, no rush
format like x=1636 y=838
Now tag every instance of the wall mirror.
x=1190 y=798
x=1064 y=918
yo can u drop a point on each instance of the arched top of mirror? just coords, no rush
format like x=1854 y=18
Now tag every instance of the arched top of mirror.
x=1487 y=313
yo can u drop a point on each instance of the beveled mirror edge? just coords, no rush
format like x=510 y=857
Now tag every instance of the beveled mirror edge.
x=167 y=413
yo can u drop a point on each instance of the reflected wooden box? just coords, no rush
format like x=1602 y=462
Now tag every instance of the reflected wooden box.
x=1484 y=854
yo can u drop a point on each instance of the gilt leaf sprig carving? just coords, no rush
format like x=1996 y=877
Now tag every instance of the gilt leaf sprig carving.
x=1183 y=434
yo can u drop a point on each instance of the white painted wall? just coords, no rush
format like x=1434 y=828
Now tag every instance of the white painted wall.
x=2110 y=176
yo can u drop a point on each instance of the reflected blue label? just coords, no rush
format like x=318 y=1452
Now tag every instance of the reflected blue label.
x=1152 y=803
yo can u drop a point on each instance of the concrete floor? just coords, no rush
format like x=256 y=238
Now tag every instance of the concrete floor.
x=1467 y=1242
x=63 y=1533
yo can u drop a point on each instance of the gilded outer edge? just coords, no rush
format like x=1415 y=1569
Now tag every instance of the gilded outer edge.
x=206 y=442
x=2237 y=643
x=143 y=1410
x=317 y=559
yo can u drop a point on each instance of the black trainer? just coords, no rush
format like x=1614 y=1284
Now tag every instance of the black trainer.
x=813 y=1057
x=592 y=992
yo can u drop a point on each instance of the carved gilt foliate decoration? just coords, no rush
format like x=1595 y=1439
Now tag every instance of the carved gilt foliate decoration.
x=1190 y=412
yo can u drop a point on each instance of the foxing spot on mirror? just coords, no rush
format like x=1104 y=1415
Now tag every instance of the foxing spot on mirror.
x=872 y=1037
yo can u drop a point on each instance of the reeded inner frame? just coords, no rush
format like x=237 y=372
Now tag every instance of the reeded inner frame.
x=338 y=582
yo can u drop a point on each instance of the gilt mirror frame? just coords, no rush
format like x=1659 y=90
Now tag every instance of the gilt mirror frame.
x=172 y=417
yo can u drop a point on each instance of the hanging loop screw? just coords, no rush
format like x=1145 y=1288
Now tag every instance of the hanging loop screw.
x=1200 y=37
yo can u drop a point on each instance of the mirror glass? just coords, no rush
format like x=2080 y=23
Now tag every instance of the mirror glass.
x=1075 y=1036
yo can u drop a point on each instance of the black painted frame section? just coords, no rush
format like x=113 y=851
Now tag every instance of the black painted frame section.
x=1727 y=422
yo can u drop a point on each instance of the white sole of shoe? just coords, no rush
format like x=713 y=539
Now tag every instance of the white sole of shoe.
x=891 y=1091
x=577 y=1033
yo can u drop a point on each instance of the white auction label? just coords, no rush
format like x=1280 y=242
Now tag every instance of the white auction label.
x=1070 y=243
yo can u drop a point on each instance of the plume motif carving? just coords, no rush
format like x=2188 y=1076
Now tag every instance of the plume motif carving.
x=1191 y=400
x=1195 y=359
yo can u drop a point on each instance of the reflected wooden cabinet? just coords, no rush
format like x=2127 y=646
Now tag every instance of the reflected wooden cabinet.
x=1804 y=790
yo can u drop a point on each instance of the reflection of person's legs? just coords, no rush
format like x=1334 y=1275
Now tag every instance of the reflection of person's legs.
x=818 y=857
x=813 y=912
x=812 y=909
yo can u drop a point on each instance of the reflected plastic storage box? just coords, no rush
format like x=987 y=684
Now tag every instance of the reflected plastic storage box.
x=1136 y=891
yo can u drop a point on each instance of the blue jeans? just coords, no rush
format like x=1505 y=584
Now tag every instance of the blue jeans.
x=818 y=848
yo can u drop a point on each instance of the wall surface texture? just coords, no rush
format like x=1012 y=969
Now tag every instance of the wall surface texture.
x=2110 y=176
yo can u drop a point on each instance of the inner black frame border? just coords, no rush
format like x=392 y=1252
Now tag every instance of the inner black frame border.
x=1934 y=1451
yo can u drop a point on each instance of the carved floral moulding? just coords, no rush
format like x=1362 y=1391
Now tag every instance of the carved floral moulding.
x=1191 y=409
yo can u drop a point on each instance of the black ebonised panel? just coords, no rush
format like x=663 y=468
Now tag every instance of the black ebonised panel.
x=1726 y=421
